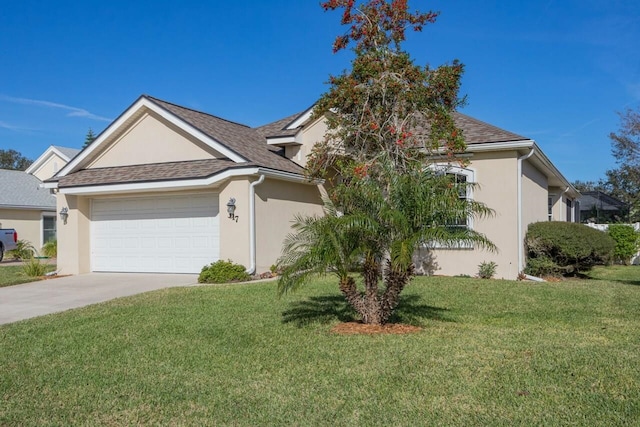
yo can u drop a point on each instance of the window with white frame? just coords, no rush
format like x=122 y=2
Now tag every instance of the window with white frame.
x=569 y=210
x=461 y=177
x=48 y=228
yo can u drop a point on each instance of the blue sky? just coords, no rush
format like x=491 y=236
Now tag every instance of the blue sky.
x=554 y=71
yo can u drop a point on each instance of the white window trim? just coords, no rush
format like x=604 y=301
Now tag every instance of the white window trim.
x=470 y=174
x=42 y=216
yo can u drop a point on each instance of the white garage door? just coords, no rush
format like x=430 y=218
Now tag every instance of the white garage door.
x=155 y=234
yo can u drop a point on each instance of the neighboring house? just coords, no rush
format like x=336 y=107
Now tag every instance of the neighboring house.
x=596 y=206
x=27 y=207
x=153 y=192
x=51 y=161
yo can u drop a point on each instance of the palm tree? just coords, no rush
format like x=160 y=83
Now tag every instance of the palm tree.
x=375 y=233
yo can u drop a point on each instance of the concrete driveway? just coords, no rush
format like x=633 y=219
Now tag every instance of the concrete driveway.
x=34 y=299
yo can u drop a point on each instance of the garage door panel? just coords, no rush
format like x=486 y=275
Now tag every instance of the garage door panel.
x=160 y=234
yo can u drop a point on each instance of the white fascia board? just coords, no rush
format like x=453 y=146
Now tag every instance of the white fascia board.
x=158 y=185
x=283 y=140
x=288 y=176
x=500 y=146
x=552 y=169
x=143 y=102
x=30 y=208
x=49 y=185
x=302 y=118
x=139 y=187
x=40 y=161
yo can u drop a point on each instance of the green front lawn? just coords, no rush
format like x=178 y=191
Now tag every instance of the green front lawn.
x=491 y=353
x=623 y=273
x=14 y=275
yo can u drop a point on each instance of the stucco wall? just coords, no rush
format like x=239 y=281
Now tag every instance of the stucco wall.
x=234 y=235
x=496 y=176
x=152 y=140
x=277 y=202
x=50 y=167
x=534 y=196
x=74 y=249
x=311 y=135
x=558 y=212
x=28 y=224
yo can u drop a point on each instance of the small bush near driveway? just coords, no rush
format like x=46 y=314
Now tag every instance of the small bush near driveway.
x=223 y=272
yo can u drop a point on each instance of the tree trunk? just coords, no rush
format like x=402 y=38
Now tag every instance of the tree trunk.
x=351 y=294
x=371 y=274
x=395 y=282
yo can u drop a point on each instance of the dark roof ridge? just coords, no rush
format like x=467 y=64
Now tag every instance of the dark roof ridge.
x=153 y=98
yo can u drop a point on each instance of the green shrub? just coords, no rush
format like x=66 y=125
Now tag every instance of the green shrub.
x=486 y=270
x=24 y=250
x=627 y=242
x=565 y=248
x=543 y=266
x=34 y=268
x=223 y=272
x=50 y=249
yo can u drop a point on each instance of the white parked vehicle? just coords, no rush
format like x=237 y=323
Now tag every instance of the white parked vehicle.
x=8 y=239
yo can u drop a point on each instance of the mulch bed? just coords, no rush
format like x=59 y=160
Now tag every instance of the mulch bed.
x=353 y=328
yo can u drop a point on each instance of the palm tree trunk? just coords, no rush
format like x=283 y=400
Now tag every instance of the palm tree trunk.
x=395 y=282
x=373 y=313
x=351 y=294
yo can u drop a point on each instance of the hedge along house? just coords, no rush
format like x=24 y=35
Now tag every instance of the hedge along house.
x=168 y=189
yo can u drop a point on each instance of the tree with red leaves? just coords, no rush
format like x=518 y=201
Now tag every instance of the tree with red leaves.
x=387 y=118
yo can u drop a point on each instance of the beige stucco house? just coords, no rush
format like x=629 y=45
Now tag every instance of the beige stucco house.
x=26 y=207
x=152 y=193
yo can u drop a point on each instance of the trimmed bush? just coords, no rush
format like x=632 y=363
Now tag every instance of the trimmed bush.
x=565 y=248
x=627 y=242
x=223 y=272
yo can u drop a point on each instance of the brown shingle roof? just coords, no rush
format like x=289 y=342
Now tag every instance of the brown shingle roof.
x=148 y=173
x=277 y=128
x=476 y=131
x=247 y=142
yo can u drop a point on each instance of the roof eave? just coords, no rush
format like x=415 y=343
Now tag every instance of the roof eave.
x=180 y=184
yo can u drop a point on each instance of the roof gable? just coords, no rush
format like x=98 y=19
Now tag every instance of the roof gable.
x=144 y=105
x=149 y=140
x=54 y=152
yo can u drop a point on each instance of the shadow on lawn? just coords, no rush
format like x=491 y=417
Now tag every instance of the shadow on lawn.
x=629 y=282
x=327 y=308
